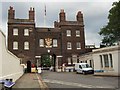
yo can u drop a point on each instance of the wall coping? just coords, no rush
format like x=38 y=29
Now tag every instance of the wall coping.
x=2 y=32
x=107 y=49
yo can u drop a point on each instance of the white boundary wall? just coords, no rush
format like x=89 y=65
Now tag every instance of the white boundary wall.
x=9 y=64
x=115 y=51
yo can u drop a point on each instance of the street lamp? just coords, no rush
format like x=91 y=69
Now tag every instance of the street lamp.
x=48 y=51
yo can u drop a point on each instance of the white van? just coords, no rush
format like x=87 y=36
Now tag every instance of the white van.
x=83 y=68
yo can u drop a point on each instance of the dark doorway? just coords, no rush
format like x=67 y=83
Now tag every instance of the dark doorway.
x=54 y=61
x=28 y=66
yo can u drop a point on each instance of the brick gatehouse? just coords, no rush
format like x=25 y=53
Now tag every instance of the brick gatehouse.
x=66 y=40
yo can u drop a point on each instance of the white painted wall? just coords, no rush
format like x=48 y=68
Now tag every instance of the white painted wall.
x=0 y=54
x=115 y=51
x=10 y=64
x=87 y=57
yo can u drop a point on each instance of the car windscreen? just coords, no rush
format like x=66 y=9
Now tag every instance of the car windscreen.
x=85 y=66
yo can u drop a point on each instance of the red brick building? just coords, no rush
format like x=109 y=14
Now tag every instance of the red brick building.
x=66 y=40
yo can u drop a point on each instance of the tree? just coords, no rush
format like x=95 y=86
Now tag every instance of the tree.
x=111 y=32
x=46 y=62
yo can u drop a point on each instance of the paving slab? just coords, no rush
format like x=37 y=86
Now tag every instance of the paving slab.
x=30 y=80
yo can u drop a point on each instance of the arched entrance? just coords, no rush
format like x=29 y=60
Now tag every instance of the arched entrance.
x=46 y=60
x=28 y=66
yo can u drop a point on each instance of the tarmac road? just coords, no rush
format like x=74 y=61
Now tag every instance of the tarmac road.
x=73 y=80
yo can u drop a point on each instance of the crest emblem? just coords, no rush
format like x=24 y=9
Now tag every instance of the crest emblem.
x=48 y=42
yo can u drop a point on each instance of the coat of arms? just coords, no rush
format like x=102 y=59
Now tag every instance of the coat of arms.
x=48 y=42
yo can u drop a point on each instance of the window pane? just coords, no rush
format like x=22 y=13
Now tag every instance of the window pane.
x=78 y=45
x=15 y=31
x=111 y=60
x=74 y=59
x=54 y=42
x=41 y=42
x=68 y=33
x=69 y=46
x=101 y=61
x=106 y=60
x=15 y=45
x=26 y=32
x=77 y=33
x=69 y=61
x=26 y=45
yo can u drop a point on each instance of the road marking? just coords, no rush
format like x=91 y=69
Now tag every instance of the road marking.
x=43 y=86
x=72 y=84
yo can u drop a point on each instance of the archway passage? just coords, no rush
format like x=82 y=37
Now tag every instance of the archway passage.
x=28 y=66
x=46 y=61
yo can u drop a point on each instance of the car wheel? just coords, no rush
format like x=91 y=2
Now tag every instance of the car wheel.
x=84 y=73
x=76 y=72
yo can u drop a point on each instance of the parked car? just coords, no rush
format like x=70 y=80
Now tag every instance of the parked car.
x=83 y=68
x=45 y=68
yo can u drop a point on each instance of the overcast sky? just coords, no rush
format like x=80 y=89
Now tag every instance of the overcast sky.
x=95 y=15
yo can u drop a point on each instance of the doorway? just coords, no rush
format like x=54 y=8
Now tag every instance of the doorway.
x=28 y=66
x=46 y=60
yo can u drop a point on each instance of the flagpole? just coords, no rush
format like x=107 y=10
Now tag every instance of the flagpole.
x=44 y=21
x=45 y=17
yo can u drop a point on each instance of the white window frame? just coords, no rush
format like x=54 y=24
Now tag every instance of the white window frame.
x=69 y=61
x=68 y=32
x=15 y=45
x=26 y=32
x=15 y=31
x=106 y=61
x=74 y=59
x=78 y=45
x=69 y=45
x=77 y=33
x=41 y=42
x=26 y=45
x=55 y=44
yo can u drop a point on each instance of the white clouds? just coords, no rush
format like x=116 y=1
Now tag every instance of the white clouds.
x=92 y=37
x=58 y=0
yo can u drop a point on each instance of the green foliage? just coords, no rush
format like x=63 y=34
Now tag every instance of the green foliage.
x=46 y=61
x=111 y=32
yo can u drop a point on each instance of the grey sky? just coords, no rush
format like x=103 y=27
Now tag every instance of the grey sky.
x=95 y=15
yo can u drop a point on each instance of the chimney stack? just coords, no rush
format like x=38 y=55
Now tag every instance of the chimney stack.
x=31 y=14
x=79 y=17
x=62 y=16
x=11 y=13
